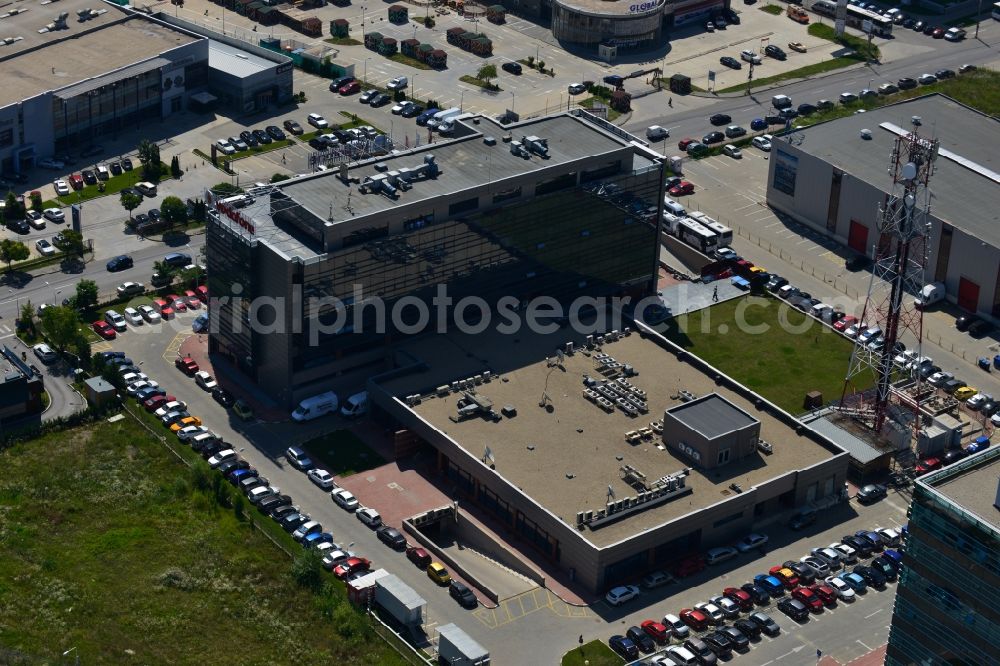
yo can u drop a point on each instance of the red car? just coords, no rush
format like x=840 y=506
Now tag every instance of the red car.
x=739 y=597
x=809 y=598
x=785 y=575
x=825 y=594
x=76 y=181
x=656 y=631
x=192 y=299
x=157 y=401
x=845 y=323
x=176 y=302
x=928 y=465
x=202 y=292
x=350 y=565
x=163 y=308
x=682 y=188
x=694 y=619
x=350 y=88
x=938 y=33
x=104 y=329
x=186 y=365
x=418 y=556
x=684 y=143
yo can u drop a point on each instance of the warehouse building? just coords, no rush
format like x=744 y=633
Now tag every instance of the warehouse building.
x=462 y=215
x=608 y=457
x=833 y=177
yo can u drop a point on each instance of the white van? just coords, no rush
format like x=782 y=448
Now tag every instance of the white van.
x=356 y=405
x=146 y=188
x=316 y=406
x=673 y=207
x=442 y=116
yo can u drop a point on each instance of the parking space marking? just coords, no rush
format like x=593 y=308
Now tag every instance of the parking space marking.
x=174 y=347
x=101 y=346
x=874 y=613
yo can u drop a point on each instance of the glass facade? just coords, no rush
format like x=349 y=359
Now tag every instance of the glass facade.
x=947 y=608
x=229 y=261
x=121 y=104
x=626 y=30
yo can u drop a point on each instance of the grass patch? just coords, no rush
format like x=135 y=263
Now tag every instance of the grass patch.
x=770 y=359
x=800 y=73
x=772 y=9
x=112 y=185
x=407 y=60
x=485 y=85
x=51 y=203
x=589 y=104
x=356 y=121
x=123 y=552
x=258 y=149
x=594 y=653
x=343 y=41
x=342 y=453
x=860 y=46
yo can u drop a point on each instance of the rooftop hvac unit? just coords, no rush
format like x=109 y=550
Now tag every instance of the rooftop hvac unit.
x=486 y=376
x=478 y=379
x=569 y=348
x=600 y=339
x=579 y=517
x=588 y=515
x=442 y=390
x=866 y=134
x=590 y=341
x=455 y=386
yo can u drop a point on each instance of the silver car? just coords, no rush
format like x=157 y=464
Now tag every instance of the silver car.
x=819 y=567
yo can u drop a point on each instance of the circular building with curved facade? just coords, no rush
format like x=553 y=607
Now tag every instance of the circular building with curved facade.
x=624 y=23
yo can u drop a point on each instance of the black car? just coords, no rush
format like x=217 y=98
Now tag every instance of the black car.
x=178 y=259
x=512 y=67
x=857 y=262
x=909 y=23
x=863 y=546
x=731 y=62
x=701 y=651
x=623 y=646
x=965 y=321
x=775 y=52
x=317 y=143
x=806 y=109
x=720 y=644
x=731 y=16
x=154 y=214
x=794 y=609
x=953 y=456
x=293 y=127
x=20 y=226
x=119 y=263
x=249 y=138
x=980 y=328
x=223 y=397
x=89 y=177
x=929 y=29
x=378 y=100
x=248 y=484
x=643 y=641
x=775 y=283
x=919 y=26
x=140 y=219
x=805 y=573
x=713 y=137
x=873 y=577
x=720 y=119
x=337 y=84
x=209 y=448
x=906 y=83
x=227 y=467
x=290 y=522
x=757 y=593
x=275 y=133
x=788 y=114
x=766 y=624
x=945 y=74
x=873 y=492
x=412 y=111
x=885 y=566
x=740 y=642
x=282 y=510
x=126 y=164
x=116 y=168
x=262 y=136
x=391 y=537
x=132 y=191
x=748 y=628
x=462 y=594
x=273 y=502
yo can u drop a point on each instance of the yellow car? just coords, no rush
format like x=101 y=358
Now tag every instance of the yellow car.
x=965 y=393
x=437 y=573
x=185 y=422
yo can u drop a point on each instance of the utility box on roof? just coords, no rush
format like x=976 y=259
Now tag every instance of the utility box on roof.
x=456 y=648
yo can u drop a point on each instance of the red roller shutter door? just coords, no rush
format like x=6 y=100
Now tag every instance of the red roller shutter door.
x=857 y=237
x=968 y=295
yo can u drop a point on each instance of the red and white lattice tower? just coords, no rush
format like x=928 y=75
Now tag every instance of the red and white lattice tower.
x=897 y=275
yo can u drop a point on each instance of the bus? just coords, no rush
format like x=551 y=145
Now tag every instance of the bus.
x=996 y=10
x=697 y=236
x=722 y=232
x=856 y=16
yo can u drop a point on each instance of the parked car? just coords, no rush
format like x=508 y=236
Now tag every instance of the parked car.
x=462 y=594
x=719 y=119
x=731 y=62
x=642 y=640
x=624 y=647
x=437 y=573
x=298 y=458
x=622 y=594
x=794 y=609
x=391 y=537
x=369 y=517
x=871 y=493
x=293 y=127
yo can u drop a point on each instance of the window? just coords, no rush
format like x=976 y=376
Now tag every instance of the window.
x=785 y=168
x=728 y=519
x=6 y=138
x=723 y=456
x=463 y=206
x=507 y=195
x=556 y=184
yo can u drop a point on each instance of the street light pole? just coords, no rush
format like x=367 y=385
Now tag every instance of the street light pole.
x=979 y=12
x=366 y=70
x=363 y=8
x=461 y=103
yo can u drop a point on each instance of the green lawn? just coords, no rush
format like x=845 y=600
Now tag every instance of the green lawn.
x=343 y=41
x=485 y=85
x=859 y=44
x=407 y=60
x=342 y=454
x=589 y=104
x=112 y=185
x=800 y=73
x=594 y=653
x=123 y=553
x=767 y=345
x=772 y=9
x=257 y=150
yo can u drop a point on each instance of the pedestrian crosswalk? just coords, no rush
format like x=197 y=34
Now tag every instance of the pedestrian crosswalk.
x=5 y=331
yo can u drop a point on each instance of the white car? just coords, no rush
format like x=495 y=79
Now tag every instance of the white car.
x=656 y=579
x=619 y=595
x=676 y=626
x=49 y=163
x=833 y=559
x=729 y=607
x=711 y=611
x=854 y=329
x=53 y=215
x=927 y=79
x=939 y=378
x=977 y=401
x=44 y=247
x=44 y=353
x=221 y=457
x=172 y=406
x=751 y=542
x=132 y=316
x=130 y=377
x=843 y=590
x=576 y=88
x=204 y=380
x=818 y=565
x=332 y=558
x=402 y=106
x=116 y=320
x=847 y=553
x=35 y=218
x=733 y=151
x=186 y=433
x=317 y=121
x=321 y=478
x=905 y=358
x=398 y=83
x=62 y=187
x=259 y=493
x=149 y=314
x=750 y=56
x=131 y=288
x=891 y=536
x=762 y=143
x=344 y=499
x=369 y=517
x=225 y=147
x=135 y=387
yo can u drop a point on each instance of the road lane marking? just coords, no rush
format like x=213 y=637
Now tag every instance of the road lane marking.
x=863 y=645
x=874 y=614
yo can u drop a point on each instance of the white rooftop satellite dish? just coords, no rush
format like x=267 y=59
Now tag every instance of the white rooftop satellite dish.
x=909 y=171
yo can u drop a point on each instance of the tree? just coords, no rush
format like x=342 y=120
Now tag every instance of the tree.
x=12 y=250
x=36 y=202
x=278 y=177
x=164 y=269
x=307 y=571
x=200 y=210
x=59 y=325
x=131 y=201
x=175 y=167
x=81 y=347
x=173 y=210
x=149 y=157
x=226 y=189
x=487 y=73
x=69 y=242
x=86 y=294
x=14 y=209
x=26 y=319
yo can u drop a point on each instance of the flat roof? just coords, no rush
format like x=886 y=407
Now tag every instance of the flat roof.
x=235 y=61
x=576 y=449
x=73 y=56
x=622 y=8
x=34 y=15
x=712 y=416
x=972 y=485
x=961 y=196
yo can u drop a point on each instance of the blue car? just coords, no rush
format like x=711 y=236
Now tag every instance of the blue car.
x=978 y=445
x=895 y=556
x=624 y=647
x=856 y=582
x=237 y=475
x=316 y=538
x=758 y=124
x=119 y=263
x=427 y=115
x=770 y=583
x=108 y=355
